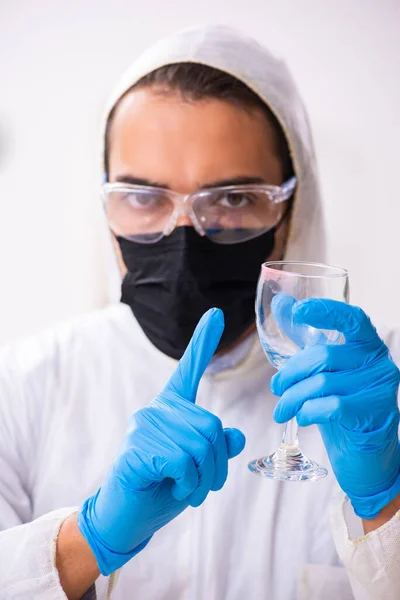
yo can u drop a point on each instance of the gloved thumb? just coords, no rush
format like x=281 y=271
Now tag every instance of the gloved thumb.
x=235 y=441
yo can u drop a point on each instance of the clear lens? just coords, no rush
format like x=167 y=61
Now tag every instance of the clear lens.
x=232 y=216
x=139 y=215
x=226 y=215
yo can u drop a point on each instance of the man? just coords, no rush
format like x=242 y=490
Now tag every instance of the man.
x=205 y=142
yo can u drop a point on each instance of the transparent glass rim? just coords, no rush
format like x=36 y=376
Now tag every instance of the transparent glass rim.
x=335 y=271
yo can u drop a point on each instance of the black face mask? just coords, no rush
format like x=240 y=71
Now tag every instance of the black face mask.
x=171 y=283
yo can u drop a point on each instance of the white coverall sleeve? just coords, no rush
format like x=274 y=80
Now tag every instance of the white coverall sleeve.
x=27 y=559
x=27 y=547
x=373 y=560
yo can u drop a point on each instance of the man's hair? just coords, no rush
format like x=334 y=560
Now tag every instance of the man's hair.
x=197 y=82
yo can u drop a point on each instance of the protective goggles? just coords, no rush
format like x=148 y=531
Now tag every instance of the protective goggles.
x=226 y=215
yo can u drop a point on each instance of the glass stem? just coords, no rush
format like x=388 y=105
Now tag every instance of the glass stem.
x=290 y=440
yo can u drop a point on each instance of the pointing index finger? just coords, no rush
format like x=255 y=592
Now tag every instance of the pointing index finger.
x=190 y=369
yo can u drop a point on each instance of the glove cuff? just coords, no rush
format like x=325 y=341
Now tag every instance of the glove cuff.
x=370 y=507
x=107 y=559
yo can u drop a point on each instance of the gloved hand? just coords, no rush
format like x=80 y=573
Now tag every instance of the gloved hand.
x=173 y=454
x=350 y=391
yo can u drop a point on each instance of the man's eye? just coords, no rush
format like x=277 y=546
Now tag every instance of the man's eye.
x=235 y=200
x=141 y=200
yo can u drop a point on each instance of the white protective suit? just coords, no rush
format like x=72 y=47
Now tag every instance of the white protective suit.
x=66 y=397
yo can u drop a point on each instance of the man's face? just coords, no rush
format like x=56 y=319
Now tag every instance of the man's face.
x=161 y=139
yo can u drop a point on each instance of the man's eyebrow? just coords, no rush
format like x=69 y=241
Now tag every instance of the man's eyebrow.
x=131 y=180
x=240 y=180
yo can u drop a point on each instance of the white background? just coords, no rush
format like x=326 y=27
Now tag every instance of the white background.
x=58 y=62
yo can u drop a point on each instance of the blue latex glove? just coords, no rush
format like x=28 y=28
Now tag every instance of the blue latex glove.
x=300 y=333
x=173 y=454
x=350 y=391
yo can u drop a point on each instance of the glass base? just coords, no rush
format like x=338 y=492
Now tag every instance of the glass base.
x=287 y=465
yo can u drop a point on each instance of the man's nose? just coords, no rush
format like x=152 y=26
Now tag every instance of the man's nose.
x=184 y=220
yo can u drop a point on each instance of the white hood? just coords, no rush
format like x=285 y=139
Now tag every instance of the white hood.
x=230 y=51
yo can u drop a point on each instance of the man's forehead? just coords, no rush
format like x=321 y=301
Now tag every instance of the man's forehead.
x=165 y=111
x=172 y=142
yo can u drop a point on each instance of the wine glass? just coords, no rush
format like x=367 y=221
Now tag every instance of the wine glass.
x=280 y=285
